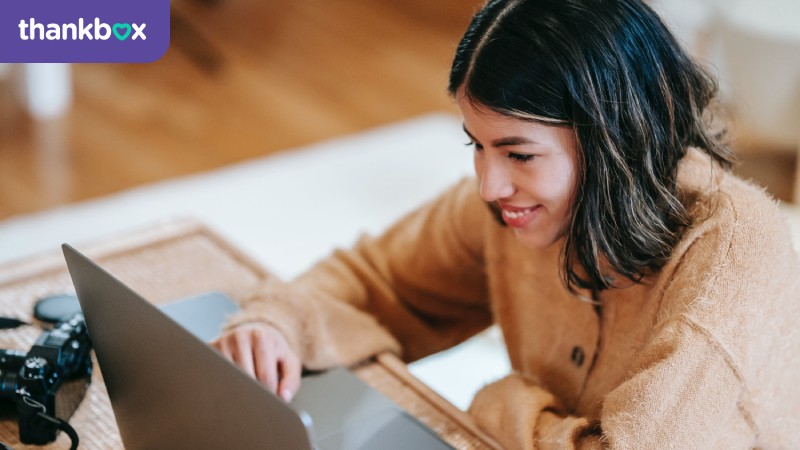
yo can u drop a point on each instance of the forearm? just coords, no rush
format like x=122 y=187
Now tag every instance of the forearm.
x=324 y=332
x=682 y=394
x=416 y=289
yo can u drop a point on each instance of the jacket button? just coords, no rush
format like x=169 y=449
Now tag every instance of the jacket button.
x=578 y=356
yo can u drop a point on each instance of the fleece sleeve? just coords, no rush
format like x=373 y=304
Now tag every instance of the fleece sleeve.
x=685 y=395
x=418 y=288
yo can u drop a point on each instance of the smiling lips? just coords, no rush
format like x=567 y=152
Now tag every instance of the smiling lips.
x=518 y=217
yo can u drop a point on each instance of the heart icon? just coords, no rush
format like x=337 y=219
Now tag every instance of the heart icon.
x=122 y=26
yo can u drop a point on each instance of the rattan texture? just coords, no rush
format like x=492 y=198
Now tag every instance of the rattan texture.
x=163 y=268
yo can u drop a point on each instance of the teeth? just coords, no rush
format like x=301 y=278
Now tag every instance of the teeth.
x=517 y=214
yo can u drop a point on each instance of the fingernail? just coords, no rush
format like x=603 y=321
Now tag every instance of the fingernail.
x=286 y=394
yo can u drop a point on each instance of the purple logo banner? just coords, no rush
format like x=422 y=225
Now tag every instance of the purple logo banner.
x=80 y=31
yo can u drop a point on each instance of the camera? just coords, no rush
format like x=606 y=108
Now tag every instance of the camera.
x=49 y=380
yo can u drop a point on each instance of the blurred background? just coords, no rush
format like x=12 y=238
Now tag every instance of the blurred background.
x=241 y=79
x=245 y=78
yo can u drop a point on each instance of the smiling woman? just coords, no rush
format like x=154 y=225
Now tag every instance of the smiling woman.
x=610 y=91
x=527 y=171
x=647 y=296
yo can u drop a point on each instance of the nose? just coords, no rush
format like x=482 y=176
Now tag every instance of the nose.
x=495 y=180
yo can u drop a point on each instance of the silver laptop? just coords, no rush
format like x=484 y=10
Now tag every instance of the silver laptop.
x=169 y=389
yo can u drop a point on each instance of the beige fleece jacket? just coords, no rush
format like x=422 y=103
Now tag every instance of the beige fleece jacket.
x=703 y=354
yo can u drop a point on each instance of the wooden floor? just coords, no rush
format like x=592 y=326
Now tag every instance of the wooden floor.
x=242 y=79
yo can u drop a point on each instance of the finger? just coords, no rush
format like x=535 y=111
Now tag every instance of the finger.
x=222 y=346
x=291 y=369
x=266 y=366
x=242 y=353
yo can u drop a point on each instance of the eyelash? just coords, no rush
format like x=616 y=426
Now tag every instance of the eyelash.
x=523 y=158
x=517 y=157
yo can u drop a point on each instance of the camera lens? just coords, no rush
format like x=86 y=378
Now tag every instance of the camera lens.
x=8 y=383
x=10 y=363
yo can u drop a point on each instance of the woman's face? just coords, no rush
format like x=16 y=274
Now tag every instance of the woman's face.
x=527 y=170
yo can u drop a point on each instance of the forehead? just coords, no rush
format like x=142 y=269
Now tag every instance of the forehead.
x=483 y=122
x=485 y=119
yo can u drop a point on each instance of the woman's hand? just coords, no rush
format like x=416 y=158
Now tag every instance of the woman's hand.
x=261 y=351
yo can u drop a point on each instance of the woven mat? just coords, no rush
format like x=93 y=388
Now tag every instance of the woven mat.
x=182 y=261
x=161 y=272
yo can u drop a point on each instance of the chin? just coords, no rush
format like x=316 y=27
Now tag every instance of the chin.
x=536 y=239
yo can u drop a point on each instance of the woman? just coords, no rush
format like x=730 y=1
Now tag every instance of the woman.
x=647 y=296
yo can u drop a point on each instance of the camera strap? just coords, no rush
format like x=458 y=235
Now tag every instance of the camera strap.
x=10 y=322
x=61 y=424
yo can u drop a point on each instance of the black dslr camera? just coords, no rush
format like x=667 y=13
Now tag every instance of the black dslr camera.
x=50 y=380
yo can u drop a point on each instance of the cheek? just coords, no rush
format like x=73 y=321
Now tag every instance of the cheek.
x=554 y=185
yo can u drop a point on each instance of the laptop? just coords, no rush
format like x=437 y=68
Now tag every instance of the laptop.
x=169 y=389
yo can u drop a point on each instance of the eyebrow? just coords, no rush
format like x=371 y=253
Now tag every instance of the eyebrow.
x=504 y=141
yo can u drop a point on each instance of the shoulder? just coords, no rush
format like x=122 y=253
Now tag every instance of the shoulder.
x=735 y=270
x=734 y=274
x=457 y=216
x=465 y=193
x=460 y=201
x=731 y=218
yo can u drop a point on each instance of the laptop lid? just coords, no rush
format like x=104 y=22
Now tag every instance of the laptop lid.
x=202 y=401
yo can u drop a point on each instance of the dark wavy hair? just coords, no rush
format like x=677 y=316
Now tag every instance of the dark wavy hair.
x=611 y=70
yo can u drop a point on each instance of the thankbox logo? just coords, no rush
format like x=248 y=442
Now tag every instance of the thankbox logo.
x=32 y=30
x=84 y=30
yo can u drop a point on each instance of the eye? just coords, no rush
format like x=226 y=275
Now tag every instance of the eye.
x=521 y=157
